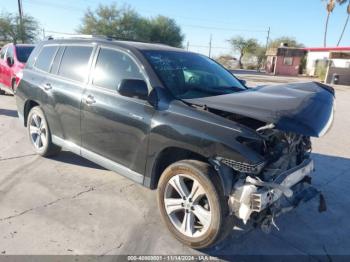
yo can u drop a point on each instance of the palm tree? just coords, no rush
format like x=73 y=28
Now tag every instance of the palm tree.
x=330 y=7
x=347 y=19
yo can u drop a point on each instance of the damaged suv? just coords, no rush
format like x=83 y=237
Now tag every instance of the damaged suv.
x=218 y=152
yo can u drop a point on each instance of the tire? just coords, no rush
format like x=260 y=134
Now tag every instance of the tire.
x=39 y=133
x=207 y=230
x=2 y=92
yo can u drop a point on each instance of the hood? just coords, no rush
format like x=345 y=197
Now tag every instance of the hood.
x=303 y=108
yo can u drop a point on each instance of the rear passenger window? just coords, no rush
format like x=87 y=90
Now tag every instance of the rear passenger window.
x=56 y=61
x=43 y=62
x=10 y=52
x=74 y=63
x=112 y=67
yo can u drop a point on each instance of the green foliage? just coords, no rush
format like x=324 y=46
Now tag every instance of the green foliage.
x=11 y=31
x=321 y=69
x=260 y=56
x=290 y=41
x=126 y=24
x=165 y=30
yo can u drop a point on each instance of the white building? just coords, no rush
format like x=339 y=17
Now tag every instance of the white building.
x=321 y=55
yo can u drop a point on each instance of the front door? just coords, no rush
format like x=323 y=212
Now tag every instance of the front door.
x=113 y=126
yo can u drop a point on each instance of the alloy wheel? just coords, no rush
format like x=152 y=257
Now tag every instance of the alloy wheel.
x=187 y=205
x=38 y=131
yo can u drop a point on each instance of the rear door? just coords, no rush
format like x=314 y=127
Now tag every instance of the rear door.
x=63 y=90
x=113 y=126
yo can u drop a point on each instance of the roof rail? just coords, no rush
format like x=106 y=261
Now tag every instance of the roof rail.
x=80 y=36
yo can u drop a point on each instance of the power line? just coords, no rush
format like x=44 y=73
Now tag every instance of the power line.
x=226 y=29
x=211 y=38
x=77 y=9
x=54 y=5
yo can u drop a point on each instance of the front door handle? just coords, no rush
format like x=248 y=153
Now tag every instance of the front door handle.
x=90 y=100
x=47 y=87
x=136 y=116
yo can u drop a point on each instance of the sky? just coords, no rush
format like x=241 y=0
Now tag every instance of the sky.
x=199 y=20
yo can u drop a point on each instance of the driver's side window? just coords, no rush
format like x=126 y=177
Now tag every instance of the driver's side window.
x=112 y=67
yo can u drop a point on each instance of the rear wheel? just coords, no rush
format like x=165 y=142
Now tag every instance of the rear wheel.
x=39 y=133
x=192 y=204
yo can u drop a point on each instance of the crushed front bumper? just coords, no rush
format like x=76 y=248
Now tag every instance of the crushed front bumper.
x=283 y=185
x=253 y=198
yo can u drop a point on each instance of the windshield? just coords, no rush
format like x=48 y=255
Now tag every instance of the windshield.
x=23 y=53
x=189 y=75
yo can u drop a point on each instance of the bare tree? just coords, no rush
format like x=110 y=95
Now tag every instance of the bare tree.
x=244 y=47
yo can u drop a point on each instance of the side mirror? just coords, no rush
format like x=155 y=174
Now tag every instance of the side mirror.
x=243 y=82
x=10 y=61
x=133 y=88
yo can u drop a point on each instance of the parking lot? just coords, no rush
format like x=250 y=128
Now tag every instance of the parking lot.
x=68 y=205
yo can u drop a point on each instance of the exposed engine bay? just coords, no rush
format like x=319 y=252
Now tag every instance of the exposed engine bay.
x=263 y=192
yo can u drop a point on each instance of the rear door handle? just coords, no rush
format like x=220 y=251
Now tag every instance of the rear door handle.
x=90 y=100
x=47 y=86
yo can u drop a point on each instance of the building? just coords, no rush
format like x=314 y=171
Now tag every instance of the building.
x=284 y=60
x=320 y=57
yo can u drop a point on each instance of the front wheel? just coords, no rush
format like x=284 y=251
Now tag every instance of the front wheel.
x=192 y=204
x=39 y=133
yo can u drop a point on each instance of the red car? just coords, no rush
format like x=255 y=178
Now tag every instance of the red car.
x=12 y=61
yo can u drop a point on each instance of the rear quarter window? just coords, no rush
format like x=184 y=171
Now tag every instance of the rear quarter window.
x=3 y=52
x=75 y=62
x=9 y=52
x=23 y=53
x=44 y=60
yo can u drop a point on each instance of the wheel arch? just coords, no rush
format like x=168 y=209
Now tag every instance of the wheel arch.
x=28 y=105
x=169 y=156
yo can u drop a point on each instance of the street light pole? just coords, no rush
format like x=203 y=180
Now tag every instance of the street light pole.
x=20 y=11
x=210 y=43
x=268 y=38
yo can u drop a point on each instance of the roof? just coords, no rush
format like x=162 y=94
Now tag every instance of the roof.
x=327 y=49
x=285 y=51
x=125 y=44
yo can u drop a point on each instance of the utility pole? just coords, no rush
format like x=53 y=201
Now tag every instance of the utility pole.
x=20 y=11
x=210 y=42
x=268 y=38
x=43 y=33
x=188 y=45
